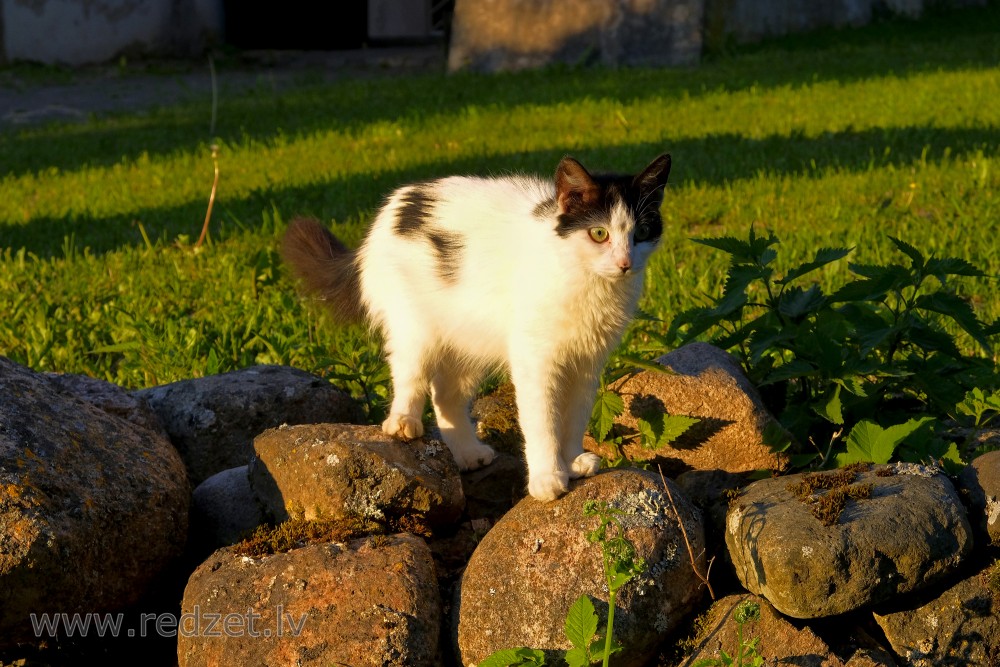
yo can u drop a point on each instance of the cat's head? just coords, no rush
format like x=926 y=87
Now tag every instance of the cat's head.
x=613 y=220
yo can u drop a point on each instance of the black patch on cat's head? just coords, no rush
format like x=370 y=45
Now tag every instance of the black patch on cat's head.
x=448 y=248
x=582 y=199
x=414 y=209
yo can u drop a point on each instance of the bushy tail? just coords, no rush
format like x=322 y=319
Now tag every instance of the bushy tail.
x=326 y=268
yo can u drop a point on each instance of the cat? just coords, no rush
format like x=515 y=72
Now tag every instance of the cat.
x=465 y=275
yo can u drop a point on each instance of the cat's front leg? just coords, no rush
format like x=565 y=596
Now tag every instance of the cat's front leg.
x=578 y=402
x=534 y=380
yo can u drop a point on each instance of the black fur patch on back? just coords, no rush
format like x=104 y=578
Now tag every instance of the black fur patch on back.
x=614 y=188
x=414 y=209
x=448 y=247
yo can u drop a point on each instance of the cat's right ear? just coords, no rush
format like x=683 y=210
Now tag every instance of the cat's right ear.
x=575 y=187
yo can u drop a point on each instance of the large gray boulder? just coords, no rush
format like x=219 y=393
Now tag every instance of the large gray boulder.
x=536 y=561
x=901 y=529
x=92 y=507
x=979 y=482
x=959 y=626
x=213 y=420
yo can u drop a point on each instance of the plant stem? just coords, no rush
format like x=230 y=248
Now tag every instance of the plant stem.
x=612 y=594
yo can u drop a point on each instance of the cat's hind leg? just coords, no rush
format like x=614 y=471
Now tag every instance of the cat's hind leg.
x=452 y=389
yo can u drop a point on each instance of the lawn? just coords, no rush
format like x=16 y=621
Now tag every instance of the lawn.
x=836 y=139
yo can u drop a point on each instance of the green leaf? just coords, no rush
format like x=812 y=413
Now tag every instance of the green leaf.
x=951 y=266
x=911 y=252
x=674 y=426
x=731 y=245
x=648 y=436
x=577 y=657
x=797 y=302
x=823 y=257
x=958 y=309
x=581 y=623
x=514 y=657
x=608 y=406
x=830 y=407
x=871 y=443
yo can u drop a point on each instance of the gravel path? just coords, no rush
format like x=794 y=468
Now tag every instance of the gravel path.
x=25 y=100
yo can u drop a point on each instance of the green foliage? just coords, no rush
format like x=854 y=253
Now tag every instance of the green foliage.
x=861 y=359
x=621 y=565
x=746 y=655
x=655 y=429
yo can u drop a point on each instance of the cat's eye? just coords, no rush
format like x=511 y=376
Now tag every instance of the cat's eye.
x=598 y=234
x=642 y=233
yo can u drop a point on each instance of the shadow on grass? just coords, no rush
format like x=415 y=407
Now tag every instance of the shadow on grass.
x=714 y=160
x=955 y=40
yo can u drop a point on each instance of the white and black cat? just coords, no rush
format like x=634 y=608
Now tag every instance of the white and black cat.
x=465 y=275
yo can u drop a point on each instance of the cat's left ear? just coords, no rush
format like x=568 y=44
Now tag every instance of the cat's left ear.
x=654 y=177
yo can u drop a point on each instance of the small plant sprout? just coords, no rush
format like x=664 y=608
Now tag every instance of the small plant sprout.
x=746 y=611
x=621 y=565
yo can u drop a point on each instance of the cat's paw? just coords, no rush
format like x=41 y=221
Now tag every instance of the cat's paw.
x=548 y=485
x=473 y=457
x=585 y=465
x=403 y=427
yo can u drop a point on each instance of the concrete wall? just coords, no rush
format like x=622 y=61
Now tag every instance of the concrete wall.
x=76 y=32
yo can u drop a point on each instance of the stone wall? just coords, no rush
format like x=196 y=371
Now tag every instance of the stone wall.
x=72 y=32
x=492 y=35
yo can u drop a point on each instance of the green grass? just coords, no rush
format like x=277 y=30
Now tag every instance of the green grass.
x=840 y=138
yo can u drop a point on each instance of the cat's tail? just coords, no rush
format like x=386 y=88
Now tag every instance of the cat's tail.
x=325 y=267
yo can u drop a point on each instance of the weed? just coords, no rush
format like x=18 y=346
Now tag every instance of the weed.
x=880 y=348
x=747 y=611
x=621 y=565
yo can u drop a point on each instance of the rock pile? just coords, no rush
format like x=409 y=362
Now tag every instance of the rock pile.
x=367 y=551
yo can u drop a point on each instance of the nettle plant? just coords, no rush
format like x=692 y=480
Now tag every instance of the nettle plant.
x=621 y=565
x=869 y=372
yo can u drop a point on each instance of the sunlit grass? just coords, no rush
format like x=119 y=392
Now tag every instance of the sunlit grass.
x=890 y=130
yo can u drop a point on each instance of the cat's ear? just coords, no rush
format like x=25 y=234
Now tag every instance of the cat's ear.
x=654 y=177
x=575 y=187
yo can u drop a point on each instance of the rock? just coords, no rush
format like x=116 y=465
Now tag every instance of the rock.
x=213 y=420
x=979 y=483
x=961 y=626
x=535 y=562
x=910 y=533
x=496 y=420
x=334 y=471
x=492 y=35
x=108 y=397
x=492 y=490
x=224 y=510
x=780 y=641
x=92 y=507
x=706 y=383
x=372 y=601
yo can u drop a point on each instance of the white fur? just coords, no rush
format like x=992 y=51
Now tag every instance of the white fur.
x=545 y=308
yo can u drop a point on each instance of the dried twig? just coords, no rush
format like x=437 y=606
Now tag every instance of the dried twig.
x=687 y=543
x=215 y=158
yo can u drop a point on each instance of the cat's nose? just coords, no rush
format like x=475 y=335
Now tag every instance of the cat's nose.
x=625 y=265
